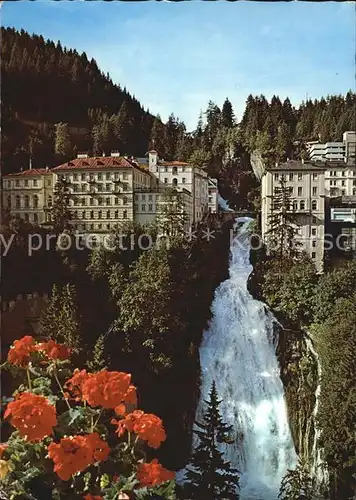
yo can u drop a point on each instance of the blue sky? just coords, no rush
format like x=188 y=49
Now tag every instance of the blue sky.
x=174 y=57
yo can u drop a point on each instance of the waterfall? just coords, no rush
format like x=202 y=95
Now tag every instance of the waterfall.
x=318 y=466
x=239 y=352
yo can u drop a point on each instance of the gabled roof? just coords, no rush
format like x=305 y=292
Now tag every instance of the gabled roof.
x=174 y=163
x=98 y=163
x=296 y=165
x=29 y=172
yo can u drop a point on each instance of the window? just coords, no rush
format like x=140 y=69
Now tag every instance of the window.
x=91 y=177
x=26 y=183
x=82 y=177
x=35 y=218
x=75 y=177
x=315 y=191
x=300 y=191
x=34 y=182
x=290 y=177
x=143 y=208
x=276 y=177
x=49 y=182
x=99 y=214
x=108 y=214
x=100 y=176
x=9 y=201
x=108 y=201
x=150 y=208
x=300 y=176
x=27 y=201
x=100 y=188
x=107 y=226
x=91 y=226
x=315 y=177
x=116 y=176
x=75 y=188
x=125 y=200
x=107 y=187
x=175 y=182
x=17 y=183
x=18 y=201
x=83 y=215
x=314 y=220
x=295 y=205
x=314 y=205
x=100 y=201
x=166 y=169
x=116 y=201
x=343 y=173
x=91 y=201
x=183 y=169
x=165 y=180
x=75 y=201
x=26 y=217
x=183 y=180
x=99 y=226
x=149 y=197
x=354 y=191
x=124 y=187
x=83 y=201
x=124 y=214
x=107 y=176
x=343 y=183
x=302 y=205
x=116 y=214
x=313 y=255
x=143 y=197
x=91 y=214
x=313 y=231
x=125 y=176
x=174 y=171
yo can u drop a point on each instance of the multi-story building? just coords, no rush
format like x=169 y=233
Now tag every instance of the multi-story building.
x=29 y=194
x=340 y=179
x=181 y=175
x=334 y=151
x=306 y=183
x=213 y=193
x=101 y=190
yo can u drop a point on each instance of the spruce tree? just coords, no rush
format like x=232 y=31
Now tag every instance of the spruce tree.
x=60 y=212
x=62 y=145
x=282 y=228
x=297 y=484
x=227 y=114
x=209 y=476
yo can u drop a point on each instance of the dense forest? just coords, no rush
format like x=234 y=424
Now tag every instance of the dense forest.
x=76 y=107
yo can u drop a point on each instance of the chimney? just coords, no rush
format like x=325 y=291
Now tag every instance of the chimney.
x=47 y=169
x=115 y=153
x=82 y=155
x=30 y=165
x=103 y=153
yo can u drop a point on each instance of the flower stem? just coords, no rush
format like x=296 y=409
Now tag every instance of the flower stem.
x=97 y=420
x=61 y=388
x=29 y=380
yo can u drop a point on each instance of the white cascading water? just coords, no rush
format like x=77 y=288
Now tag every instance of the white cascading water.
x=239 y=353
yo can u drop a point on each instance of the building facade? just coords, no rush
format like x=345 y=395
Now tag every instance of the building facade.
x=213 y=196
x=334 y=151
x=306 y=183
x=29 y=195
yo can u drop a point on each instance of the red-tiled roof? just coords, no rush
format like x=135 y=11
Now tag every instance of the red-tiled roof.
x=98 y=163
x=173 y=163
x=32 y=171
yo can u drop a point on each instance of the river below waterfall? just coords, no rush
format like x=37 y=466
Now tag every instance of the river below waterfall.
x=239 y=352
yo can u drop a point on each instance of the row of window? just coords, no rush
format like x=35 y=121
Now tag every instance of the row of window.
x=334 y=173
x=26 y=183
x=34 y=218
x=100 y=176
x=174 y=170
x=343 y=183
x=300 y=191
x=301 y=205
x=291 y=176
x=143 y=197
x=100 y=188
x=143 y=208
x=100 y=201
x=98 y=214
x=336 y=191
x=174 y=181
x=27 y=201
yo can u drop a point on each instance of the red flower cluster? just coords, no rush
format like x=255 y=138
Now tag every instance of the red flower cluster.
x=54 y=350
x=147 y=426
x=105 y=388
x=75 y=453
x=21 y=350
x=32 y=415
x=153 y=473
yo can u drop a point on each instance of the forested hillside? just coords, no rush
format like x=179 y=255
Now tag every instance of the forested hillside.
x=56 y=102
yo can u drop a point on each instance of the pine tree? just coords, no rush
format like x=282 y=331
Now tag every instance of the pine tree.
x=157 y=137
x=61 y=214
x=209 y=476
x=297 y=483
x=62 y=145
x=59 y=321
x=283 y=142
x=282 y=229
x=227 y=114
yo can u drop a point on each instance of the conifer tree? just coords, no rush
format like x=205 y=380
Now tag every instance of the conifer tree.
x=99 y=360
x=282 y=220
x=61 y=214
x=297 y=483
x=227 y=115
x=62 y=145
x=209 y=476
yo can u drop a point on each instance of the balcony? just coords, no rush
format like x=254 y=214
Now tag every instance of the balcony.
x=343 y=215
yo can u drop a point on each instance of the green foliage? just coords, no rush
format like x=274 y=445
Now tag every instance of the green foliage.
x=59 y=321
x=208 y=475
x=297 y=483
x=172 y=219
x=62 y=144
x=60 y=212
x=336 y=344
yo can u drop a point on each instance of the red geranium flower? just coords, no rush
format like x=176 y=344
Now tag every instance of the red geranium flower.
x=21 y=350
x=153 y=473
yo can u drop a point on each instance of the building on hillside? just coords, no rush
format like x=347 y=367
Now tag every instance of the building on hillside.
x=213 y=196
x=306 y=182
x=181 y=175
x=340 y=179
x=29 y=195
x=344 y=150
x=341 y=224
